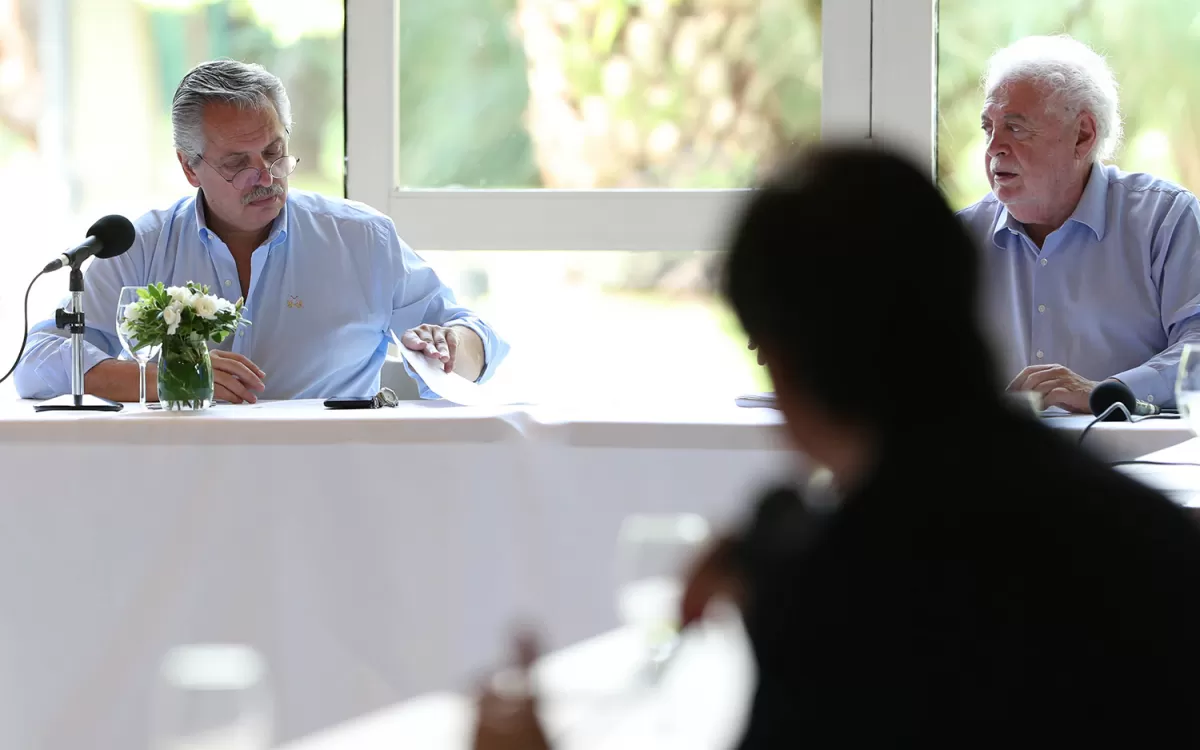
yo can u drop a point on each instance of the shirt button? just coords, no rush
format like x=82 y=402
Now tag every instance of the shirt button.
x=241 y=333
x=1040 y=353
x=1041 y=308
x=1150 y=399
x=228 y=282
x=1044 y=261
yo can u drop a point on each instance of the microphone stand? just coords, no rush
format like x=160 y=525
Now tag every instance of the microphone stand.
x=73 y=322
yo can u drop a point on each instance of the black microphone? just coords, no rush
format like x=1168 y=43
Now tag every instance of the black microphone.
x=1115 y=392
x=107 y=238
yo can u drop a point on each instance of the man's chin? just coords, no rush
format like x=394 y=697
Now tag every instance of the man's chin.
x=1006 y=192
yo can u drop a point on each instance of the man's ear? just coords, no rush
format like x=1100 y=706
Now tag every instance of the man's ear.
x=188 y=172
x=1086 y=136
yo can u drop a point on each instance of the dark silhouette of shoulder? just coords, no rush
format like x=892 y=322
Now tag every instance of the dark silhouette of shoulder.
x=982 y=587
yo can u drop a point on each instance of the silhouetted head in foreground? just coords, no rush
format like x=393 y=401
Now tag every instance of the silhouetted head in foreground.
x=859 y=285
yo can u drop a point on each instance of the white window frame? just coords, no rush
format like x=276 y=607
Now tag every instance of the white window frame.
x=904 y=77
x=877 y=81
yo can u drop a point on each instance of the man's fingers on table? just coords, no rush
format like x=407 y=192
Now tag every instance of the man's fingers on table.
x=221 y=393
x=236 y=369
x=1021 y=381
x=240 y=358
x=231 y=385
x=1046 y=374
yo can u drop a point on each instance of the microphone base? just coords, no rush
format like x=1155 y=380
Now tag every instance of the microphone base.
x=78 y=403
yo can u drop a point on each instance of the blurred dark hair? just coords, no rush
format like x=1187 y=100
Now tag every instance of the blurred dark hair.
x=851 y=268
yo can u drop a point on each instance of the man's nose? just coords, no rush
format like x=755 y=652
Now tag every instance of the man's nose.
x=997 y=145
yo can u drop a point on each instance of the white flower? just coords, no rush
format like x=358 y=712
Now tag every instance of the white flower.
x=171 y=316
x=133 y=313
x=182 y=296
x=224 y=305
x=205 y=306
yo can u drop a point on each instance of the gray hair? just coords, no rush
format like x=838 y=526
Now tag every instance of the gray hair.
x=245 y=85
x=1080 y=81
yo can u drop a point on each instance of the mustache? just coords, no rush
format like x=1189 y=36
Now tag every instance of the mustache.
x=263 y=191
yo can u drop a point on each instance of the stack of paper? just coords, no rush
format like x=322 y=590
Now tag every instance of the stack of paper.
x=449 y=385
x=752 y=400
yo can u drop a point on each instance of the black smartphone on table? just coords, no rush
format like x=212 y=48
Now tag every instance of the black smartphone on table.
x=350 y=403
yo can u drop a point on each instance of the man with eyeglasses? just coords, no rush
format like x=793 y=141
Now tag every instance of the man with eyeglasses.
x=325 y=280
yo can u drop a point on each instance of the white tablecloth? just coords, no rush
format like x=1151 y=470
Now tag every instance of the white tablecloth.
x=1174 y=471
x=1121 y=441
x=591 y=696
x=369 y=555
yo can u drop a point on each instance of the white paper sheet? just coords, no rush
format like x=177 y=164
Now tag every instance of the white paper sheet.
x=450 y=386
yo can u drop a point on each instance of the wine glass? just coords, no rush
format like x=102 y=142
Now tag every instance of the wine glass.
x=653 y=553
x=135 y=349
x=1187 y=386
x=212 y=697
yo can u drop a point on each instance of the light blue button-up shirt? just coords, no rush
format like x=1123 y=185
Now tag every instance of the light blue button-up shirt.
x=326 y=288
x=1114 y=292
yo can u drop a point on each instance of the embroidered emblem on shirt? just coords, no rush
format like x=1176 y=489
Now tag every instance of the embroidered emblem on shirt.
x=295 y=302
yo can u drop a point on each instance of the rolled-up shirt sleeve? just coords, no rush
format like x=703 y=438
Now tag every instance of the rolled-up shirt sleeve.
x=45 y=368
x=1177 y=276
x=420 y=297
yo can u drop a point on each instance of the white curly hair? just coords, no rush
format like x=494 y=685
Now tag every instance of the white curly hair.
x=1079 y=79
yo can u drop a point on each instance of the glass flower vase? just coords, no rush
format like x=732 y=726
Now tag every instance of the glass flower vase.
x=185 y=375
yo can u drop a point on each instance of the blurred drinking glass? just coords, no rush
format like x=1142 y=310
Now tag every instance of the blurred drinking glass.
x=1187 y=386
x=653 y=555
x=212 y=697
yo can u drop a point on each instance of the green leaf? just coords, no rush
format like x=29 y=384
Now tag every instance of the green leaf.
x=609 y=22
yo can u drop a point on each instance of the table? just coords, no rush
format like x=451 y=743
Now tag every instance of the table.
x=592 y=696
x=1121 y=441
x=1175 y=472
x=697 y=714
x=371 y=556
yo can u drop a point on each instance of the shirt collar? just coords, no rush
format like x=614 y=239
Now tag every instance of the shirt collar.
x=277 y=234
x=1091 y=211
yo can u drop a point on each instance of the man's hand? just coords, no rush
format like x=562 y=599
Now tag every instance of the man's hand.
x=1057 y=385
x=456 y=348
x=235 y=378
x=710 y=577
x=435 y=342
x=507 y=717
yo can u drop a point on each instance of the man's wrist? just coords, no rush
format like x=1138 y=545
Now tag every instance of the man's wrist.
x=117 y=380
x=478 y=348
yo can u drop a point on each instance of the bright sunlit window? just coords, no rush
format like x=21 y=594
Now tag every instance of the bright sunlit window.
x=553 y=95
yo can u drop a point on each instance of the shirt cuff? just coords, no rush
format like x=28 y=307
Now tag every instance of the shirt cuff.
x=1147 y=385
x=55 y=371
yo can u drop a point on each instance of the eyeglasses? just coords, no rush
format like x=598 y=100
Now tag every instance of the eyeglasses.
x=244 y=179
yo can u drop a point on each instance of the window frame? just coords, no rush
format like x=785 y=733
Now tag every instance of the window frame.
x=878 y=80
